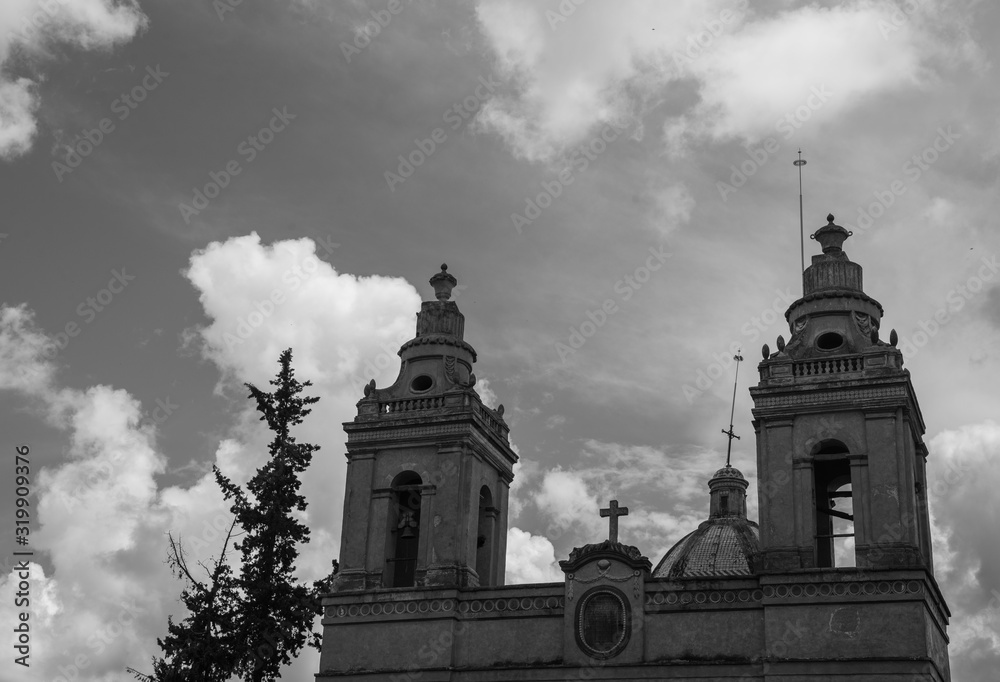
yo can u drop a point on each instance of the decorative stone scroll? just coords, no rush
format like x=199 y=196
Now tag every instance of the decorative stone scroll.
x=603 y=574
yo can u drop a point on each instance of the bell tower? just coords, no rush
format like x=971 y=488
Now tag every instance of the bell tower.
x=840 y=451
x=429 y=467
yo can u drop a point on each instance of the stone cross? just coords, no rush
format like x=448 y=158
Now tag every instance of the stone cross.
x=613 y=511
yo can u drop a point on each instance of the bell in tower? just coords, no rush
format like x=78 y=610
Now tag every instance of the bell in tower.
x=840 y=451
x=429 y=467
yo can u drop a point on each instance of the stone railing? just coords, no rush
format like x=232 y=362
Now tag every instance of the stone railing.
x=410 y=405
x=449 y=402
x=836 y=365
x=486 y=416
x=784 y=370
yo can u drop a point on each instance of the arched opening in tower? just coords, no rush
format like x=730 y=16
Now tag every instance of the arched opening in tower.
x=834 y=507
x=403 y=538
x=484 y=537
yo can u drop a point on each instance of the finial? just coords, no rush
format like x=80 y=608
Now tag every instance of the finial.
x=443 y=282
x=831 y=236
x=781 y=343
x=765 y=351
x=893 y=338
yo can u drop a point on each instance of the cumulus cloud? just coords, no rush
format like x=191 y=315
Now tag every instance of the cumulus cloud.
x=102 y=517
x=572 y=71
x=100 y=521
x=261 y=299
x=530 y=559
x=31 y=33
x=963 y=478
x=569 y=499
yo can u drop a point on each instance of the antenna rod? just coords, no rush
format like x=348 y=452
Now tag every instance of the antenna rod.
x=738 y=358
x=802 y=238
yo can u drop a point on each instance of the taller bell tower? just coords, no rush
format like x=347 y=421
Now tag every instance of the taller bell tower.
x=429 y=467
x=840 y=451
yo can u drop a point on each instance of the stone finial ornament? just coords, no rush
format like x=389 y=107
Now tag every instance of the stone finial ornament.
x=369 y=388
x=765 y=351
x=500 y=410
x=893 y=338
x=781 y=343
x=874 y=336
x=443 y=283
x=831 y=237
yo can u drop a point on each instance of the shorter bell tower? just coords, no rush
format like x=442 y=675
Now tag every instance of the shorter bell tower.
x=429 y=467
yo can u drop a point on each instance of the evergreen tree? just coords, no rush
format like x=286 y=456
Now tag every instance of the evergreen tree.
x=275 y=617
x=200 y=648
x=252 y=624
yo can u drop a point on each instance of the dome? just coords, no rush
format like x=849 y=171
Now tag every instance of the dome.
x=729 y=472
x=720 y=547
x=725 y=544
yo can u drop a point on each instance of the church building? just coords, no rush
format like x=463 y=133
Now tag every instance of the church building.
x=835 y=582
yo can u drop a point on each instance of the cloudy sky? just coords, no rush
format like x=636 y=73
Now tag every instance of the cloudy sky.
x=612 y=184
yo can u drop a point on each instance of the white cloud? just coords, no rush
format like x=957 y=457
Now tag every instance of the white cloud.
x=667 y=495
x=102 y=518
x=572 y=75
x=530 y=559
x=36 y=30
x=784 y=66
x=570 y=72
x=99 y=520
x=963 y=477
x=261 y=299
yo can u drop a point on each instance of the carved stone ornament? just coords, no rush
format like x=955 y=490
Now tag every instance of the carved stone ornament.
x=449 y=368
x=603 y=568
x=864 y=323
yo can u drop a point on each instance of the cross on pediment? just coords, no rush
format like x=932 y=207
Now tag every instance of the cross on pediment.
x=613 y=512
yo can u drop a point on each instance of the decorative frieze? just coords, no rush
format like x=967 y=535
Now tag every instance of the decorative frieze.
x=852 y=395
x=472 y=607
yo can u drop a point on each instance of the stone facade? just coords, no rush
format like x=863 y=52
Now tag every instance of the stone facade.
x=840 y=459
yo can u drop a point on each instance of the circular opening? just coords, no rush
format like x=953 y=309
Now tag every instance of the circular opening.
x=603 y=625
x=421 y=383
x=829 y=341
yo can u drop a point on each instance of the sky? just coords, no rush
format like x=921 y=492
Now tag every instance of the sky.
x=611 y=183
